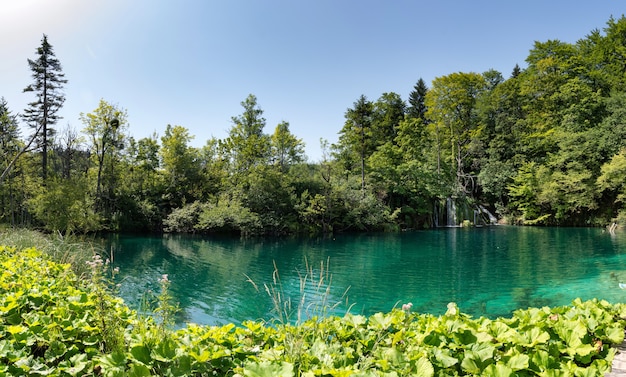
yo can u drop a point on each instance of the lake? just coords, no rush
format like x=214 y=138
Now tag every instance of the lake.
x=488 y=271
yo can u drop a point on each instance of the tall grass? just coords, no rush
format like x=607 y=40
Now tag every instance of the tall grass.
x=313 y=299
x=301 y=314
x=73 y=250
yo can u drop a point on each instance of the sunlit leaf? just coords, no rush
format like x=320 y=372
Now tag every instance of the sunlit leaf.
x=424 y=368
x=138 y=370
x=518 y=362
x=269 y=369
x=443 y=358
x=498 y=370
x=614 y=333
x=141 y=353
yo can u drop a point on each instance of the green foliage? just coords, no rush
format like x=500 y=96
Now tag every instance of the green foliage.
x=184 y=219
x=182 y=174
x=229 y=215
x=540 y=147
x=286 y=148
x=105 y=128
x=48 y=82
x=452 y=108
x=247 y=145
x=65 y=206
x=51 y=323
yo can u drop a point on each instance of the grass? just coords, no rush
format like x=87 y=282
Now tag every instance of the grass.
x=313 y=299
x=68 y=249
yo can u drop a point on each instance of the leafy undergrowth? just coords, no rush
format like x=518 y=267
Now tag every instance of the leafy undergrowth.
x=52 y=323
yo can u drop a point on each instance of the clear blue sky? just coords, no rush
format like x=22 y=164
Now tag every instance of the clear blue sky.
x=191 y=62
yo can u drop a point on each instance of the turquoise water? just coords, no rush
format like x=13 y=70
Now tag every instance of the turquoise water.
x=486 y=271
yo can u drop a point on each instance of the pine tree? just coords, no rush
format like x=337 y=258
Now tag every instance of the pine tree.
x=417 y=108
x=48 y=84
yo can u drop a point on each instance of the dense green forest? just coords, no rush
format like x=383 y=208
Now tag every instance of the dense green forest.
x=545 y=146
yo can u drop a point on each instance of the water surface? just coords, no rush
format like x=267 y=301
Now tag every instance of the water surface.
x=487 y=271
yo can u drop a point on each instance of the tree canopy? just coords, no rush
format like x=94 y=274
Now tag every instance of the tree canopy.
x=545 y=146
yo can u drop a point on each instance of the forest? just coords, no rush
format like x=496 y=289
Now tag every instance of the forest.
x=545 y=146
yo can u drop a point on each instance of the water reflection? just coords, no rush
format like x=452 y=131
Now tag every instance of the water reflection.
x=487 y=271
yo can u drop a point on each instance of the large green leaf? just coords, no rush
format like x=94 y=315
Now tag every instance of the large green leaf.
x=165 y=350
x=269 y=369
x=424 y=368
x=502 y=332
x=141 y=353
x=614 y=333
x=443 y=358
x=518 y=362
x=498 y=370
x=139 y=370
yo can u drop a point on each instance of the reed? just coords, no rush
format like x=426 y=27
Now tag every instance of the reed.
x=312 y=300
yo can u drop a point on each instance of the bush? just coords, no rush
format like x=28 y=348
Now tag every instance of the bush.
x=184 y=219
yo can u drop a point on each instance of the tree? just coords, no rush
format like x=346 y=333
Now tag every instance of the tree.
x=9 y=139
x=611 y=54
x=10 y=149
x=550 y=65
x=452 y=108
x=387 y=113
x=64 y=205
x=105 y=130
x=417 y=100
x=181 y=168
x=287 y=149
x=246 y=142
x=69 y=157
x=142 y=176
x=501 y=117
x=612 y=179
x=356 y=134
x=48 y=83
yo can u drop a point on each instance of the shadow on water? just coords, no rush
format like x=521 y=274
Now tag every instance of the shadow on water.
x=488 y=271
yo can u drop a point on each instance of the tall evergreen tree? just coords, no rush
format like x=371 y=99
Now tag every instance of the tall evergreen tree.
x=417 y=106
x=48 y=81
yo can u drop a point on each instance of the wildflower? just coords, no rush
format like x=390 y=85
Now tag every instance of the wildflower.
x=95 y=262
x=116 y=270
x=407 y=307
x=164 y=279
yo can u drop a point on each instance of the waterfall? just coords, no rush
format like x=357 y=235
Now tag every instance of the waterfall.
x=492 y=218
x=451 y=212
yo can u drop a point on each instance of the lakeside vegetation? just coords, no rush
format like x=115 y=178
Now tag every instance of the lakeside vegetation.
x=547 y=145
x=53 y=322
